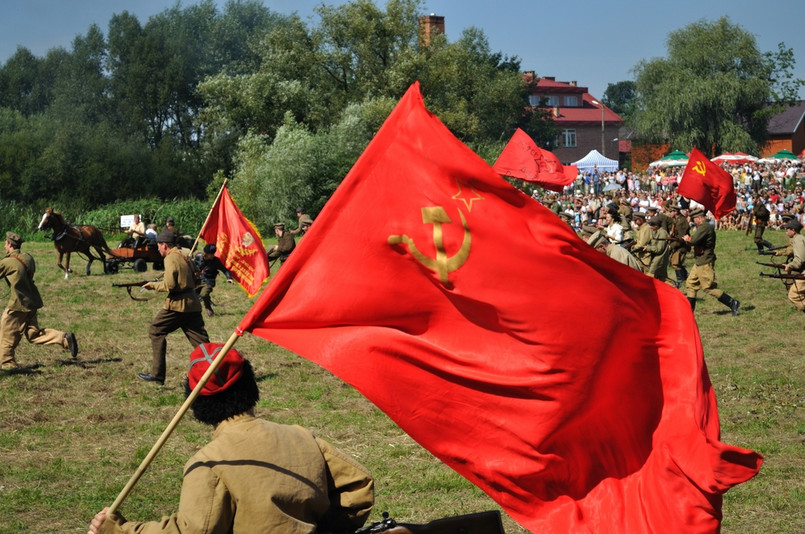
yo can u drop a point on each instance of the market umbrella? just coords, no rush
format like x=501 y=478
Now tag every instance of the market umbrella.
x=735 y=158
x=781 y=156
x=677 y=158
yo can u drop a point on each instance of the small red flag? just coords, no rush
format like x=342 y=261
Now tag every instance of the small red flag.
x=461 y=308
x=707 y=183
x=238 y=244
x=522 y=158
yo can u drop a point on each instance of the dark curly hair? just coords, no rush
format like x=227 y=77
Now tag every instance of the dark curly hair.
x=236 y=399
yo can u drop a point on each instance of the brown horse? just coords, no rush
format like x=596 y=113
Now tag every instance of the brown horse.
x=79 y=239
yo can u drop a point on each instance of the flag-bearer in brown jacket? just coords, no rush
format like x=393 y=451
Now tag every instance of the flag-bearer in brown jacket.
x=255 y=475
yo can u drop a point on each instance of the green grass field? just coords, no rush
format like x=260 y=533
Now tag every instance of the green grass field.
x=73 y=432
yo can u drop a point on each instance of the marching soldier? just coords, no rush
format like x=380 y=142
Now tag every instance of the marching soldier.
x=642 y=238
x=680 y=227
x=761 y=216
x=703 y=275
x=658 y=249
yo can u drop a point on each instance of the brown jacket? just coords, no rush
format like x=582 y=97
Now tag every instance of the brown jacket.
x=18 y=269
x=179 y=283
x=259 y=476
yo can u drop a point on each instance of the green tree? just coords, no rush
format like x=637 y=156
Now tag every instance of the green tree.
x=712 y=90
x=620 y=98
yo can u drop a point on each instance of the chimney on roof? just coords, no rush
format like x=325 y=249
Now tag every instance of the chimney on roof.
x=549 y=78
x=573 y=83
x=427 y=26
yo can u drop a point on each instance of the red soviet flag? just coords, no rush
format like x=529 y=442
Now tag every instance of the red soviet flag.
x=707 y=183
x=569 y=387
x=238 y=244
x=522 y=158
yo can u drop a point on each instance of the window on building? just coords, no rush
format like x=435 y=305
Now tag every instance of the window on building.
x=534 y=100
x=571 y=101
x=569 y=138
x=553 y=101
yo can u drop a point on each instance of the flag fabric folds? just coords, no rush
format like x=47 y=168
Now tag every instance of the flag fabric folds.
x=707 y=183
x=567 y=386
x=238 y=244
x=522 y=158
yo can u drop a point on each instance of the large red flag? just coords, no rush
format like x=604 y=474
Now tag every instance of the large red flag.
x=707 y=183
x=569 y=387
x=238 y=244
x=522 y=158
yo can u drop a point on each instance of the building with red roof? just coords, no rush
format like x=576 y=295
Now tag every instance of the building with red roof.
x=584 y=122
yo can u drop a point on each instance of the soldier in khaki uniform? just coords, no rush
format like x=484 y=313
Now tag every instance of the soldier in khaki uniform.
x=796 y=265
x=19 y=317
x=601 y=243
x=658 y=250
x=680 y=227
x=255 y=475
x=182 y=308
x=642 y=238
x=703 y=275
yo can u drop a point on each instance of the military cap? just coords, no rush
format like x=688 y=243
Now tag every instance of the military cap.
x=305 y=220
x=209 y=249
x=15 y=239
x=652 y=208
x=588 y=230
x=793 y=224
x=786 y=216
x=167 y=236
x=639 y=215
x=597 y=238
x=655 y=221
x=697 y=212
x=280 y=225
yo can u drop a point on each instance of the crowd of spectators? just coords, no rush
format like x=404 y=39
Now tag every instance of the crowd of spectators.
x=778 y=186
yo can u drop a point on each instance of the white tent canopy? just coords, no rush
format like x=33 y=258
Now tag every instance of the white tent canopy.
x=595 y=159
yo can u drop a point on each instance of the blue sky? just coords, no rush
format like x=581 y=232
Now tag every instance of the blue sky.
x=593 y=42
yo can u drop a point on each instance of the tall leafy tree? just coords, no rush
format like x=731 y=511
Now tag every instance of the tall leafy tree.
x=712 y=90
x=620 y=98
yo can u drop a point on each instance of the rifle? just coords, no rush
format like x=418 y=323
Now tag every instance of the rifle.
x=770 y=251
x=130 y=285
x=785 y=276
x=749 y=224
x=479 y=523
x=770 y=264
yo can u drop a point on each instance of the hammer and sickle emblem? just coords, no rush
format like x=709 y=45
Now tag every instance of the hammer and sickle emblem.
x=700 y=168
x=442 y=264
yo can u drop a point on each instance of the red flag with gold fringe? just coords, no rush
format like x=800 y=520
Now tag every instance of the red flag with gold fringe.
x=238 y=244
x=461 y=308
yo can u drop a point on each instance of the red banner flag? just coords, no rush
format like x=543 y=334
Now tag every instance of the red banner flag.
x=464 y=310
x=707 y=183
x=238 y=244
x=522 y=158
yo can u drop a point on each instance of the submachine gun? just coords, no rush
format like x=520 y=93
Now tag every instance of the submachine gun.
x=130 y=285
x=479 y=523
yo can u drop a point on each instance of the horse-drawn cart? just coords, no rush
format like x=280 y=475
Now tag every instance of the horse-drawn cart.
x=139 y=258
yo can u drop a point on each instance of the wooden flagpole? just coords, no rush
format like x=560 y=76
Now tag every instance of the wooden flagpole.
x=172 y=425
x=220 y=192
